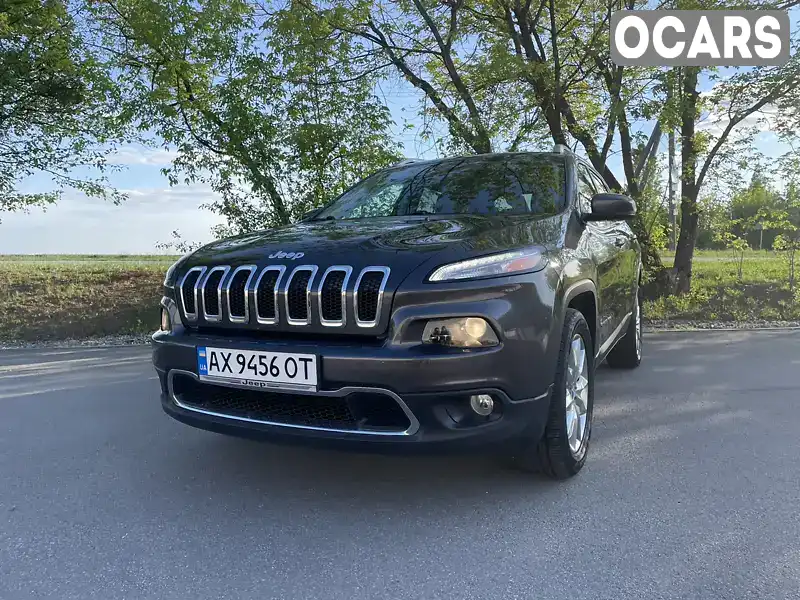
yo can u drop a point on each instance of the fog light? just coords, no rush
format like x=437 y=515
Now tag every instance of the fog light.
x=166 y=325
x=461 y=332
x=482 y=404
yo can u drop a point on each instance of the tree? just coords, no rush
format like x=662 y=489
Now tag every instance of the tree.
x=510 y=75
x=57 y=103
x=732 y=101
x=234 y=87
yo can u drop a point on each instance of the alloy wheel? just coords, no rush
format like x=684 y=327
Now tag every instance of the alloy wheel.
x=577 y=394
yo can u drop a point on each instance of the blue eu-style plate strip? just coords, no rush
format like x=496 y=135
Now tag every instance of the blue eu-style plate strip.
x=202 y=365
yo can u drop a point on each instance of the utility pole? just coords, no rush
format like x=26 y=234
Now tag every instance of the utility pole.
x=673 y=176
x=672 y=184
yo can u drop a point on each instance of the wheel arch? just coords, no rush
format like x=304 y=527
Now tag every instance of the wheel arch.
x=582 y=295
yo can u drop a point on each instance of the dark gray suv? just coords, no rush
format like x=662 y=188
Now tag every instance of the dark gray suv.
x=454 y=303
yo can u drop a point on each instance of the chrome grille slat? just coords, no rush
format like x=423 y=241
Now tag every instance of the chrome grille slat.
x=244 y=315
x=272 y=319
x=213 y=317
x=288 y=297
x=342 y=320
x=384 y=271
x=293 y=296
x=191 y=315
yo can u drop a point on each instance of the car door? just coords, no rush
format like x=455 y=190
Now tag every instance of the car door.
x=623 y=238
x=604 y=254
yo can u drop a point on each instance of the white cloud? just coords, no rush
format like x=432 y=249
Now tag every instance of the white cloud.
x=88 y=225
x=717 y=120
x=136 y=154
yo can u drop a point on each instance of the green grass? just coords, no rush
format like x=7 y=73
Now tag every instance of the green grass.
x=718 y=295
x=724 y=255
x=118 y=259
x=61 y=297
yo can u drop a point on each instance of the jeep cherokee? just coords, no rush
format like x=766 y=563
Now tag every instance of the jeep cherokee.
x=453 y=303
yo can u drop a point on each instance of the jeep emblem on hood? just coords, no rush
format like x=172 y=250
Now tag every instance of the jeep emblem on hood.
x=291 y=255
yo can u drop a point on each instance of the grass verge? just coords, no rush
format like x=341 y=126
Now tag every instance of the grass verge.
x=718 y=294
x=56 y=298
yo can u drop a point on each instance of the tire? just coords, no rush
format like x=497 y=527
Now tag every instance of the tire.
x=553 y=454
x=627 y=354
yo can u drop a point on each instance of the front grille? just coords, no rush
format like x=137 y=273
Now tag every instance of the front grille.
x=358 y=411
x=237 y=293
x=224 y=295
x=331 y=302
x=211 y=288
x=297 y=296
x=187 y=290
x=265 y=295
x=368 y=296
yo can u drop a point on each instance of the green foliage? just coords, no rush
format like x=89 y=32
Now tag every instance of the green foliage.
x=263 y=104
x=57 y=103
x=714 y=217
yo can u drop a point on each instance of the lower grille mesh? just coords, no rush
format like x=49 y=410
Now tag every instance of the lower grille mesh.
x=357 y=412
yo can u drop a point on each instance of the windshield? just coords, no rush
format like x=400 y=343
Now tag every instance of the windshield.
x=482 y=185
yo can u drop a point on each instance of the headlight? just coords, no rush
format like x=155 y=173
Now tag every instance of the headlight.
x=464 y=332
x=506 y=263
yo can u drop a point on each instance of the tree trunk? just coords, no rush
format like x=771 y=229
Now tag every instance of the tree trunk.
x=684 y=252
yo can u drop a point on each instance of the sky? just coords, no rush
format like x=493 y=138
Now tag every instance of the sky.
x=153 y=210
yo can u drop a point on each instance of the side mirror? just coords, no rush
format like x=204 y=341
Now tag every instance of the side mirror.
x=611 y=207
x=310 y=214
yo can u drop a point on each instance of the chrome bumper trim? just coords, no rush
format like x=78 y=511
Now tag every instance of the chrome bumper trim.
x=411 y=430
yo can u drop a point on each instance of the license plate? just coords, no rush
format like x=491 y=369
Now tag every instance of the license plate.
x=254 y=368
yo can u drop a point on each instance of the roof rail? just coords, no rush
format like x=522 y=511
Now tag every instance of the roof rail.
x=561 y=149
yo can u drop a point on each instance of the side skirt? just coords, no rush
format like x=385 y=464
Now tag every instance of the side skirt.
x=613 y=340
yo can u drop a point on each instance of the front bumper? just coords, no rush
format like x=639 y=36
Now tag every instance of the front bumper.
x=431 y=387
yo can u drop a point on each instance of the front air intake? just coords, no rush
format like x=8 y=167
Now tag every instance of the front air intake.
x=281 y=298
x=237 y=290
x=298 y=295
x=212 y=293
x=368 y=295
x=332 y=294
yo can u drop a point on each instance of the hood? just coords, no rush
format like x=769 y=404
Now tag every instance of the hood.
x=405 y=240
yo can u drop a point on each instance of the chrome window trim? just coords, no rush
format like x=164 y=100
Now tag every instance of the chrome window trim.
x=193 y=315
x=206 y=315
x=348 y=271
x=275 y=293
x=309 y=287
x=413 y=426
x=227 y=289
x=386 y=271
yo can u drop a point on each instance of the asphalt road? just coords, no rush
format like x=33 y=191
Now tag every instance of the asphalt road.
x=691 y=492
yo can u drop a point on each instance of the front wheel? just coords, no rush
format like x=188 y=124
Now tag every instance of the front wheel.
x=627 y=354
x=561 y=452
